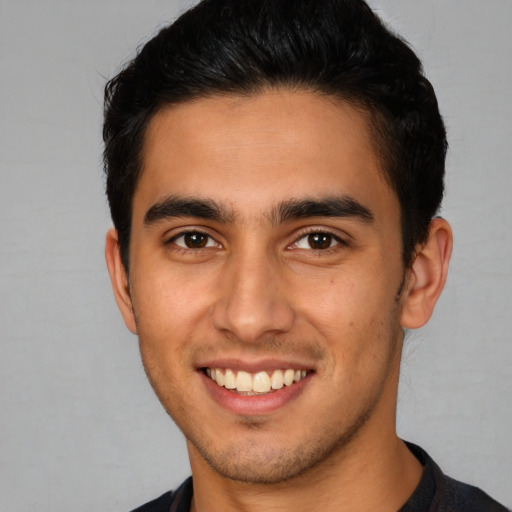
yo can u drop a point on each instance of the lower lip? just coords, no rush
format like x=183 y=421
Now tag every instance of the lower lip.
x=254 y=405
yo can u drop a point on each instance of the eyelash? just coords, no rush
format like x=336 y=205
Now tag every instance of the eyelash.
x=183 y=234
x=338 y=241
x=335 y=238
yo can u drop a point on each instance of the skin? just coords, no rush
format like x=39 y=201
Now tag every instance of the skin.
x=258 y=292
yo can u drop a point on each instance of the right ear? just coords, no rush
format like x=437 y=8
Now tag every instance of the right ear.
x=119 y=279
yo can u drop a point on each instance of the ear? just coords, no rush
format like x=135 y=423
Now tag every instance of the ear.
x=427 y=275
x=119 y=279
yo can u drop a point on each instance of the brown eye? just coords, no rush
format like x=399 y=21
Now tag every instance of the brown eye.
x=320 y=241
x=194 y=240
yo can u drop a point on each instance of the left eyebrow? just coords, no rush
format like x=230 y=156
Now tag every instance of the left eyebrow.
x=330 y=206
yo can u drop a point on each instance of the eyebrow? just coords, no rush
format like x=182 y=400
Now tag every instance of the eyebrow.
x=292 y=209
x=173 y=206
x=330 y=206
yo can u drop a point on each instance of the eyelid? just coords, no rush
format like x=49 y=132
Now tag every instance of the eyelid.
x=339 y=238
x=170 y=238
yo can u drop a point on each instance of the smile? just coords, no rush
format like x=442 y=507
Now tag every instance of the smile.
x=259 y=383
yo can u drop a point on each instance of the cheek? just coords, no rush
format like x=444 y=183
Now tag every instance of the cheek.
x=357 y=316
x=350 y=301
x=171 y=312
x=166 y=317
x=166 y=302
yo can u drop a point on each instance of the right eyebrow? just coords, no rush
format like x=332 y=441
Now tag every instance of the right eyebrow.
x=173 y=206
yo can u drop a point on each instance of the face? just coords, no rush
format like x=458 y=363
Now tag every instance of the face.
x=265 y=268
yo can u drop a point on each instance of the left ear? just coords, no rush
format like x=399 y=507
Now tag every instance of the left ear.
x=427 y=276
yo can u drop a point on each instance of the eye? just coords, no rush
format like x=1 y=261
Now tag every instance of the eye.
x=318 y=241
x=194 y=240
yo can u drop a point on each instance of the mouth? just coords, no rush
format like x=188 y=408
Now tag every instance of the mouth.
x=263 y=382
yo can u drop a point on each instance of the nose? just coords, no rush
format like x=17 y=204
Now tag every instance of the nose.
x=252 y=303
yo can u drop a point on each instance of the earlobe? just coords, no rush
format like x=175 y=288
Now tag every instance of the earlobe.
x=427 y=275
x=119 y=279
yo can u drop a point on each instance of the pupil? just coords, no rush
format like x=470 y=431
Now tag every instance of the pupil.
x=320 y=241
x=195 y=240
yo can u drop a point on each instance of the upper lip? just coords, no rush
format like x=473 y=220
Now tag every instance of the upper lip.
x=254 y=366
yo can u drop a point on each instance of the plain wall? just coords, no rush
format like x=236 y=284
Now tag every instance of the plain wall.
x=80 y=428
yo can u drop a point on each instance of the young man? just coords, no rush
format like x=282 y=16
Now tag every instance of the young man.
x=274 y=170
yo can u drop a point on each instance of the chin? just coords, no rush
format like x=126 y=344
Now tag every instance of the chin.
x=263 y=470
x=265 y=463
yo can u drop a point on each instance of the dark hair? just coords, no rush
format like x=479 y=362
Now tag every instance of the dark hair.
x=334 y=47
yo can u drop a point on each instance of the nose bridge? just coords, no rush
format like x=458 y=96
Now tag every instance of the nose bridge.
x=252 y=302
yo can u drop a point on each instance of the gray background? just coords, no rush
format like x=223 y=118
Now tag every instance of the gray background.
x=80 y=429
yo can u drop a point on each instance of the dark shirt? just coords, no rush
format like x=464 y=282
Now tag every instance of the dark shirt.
x=436 y=492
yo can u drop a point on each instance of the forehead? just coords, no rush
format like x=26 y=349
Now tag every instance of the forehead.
x=253 y=151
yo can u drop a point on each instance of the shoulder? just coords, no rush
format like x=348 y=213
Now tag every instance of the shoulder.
x=161 y=504
x=455 y=495
x=172 y=501
x=438 y=492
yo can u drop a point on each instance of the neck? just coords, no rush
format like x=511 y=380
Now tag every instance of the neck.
x=364 y=480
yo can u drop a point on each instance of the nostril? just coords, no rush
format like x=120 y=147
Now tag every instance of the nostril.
x=254 y=319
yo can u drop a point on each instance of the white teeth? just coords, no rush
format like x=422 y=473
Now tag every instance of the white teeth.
x=261 y=382
x=243 y=381
x=277 y=380
x=229 y=380
x=288 y=377
x=219 y=377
